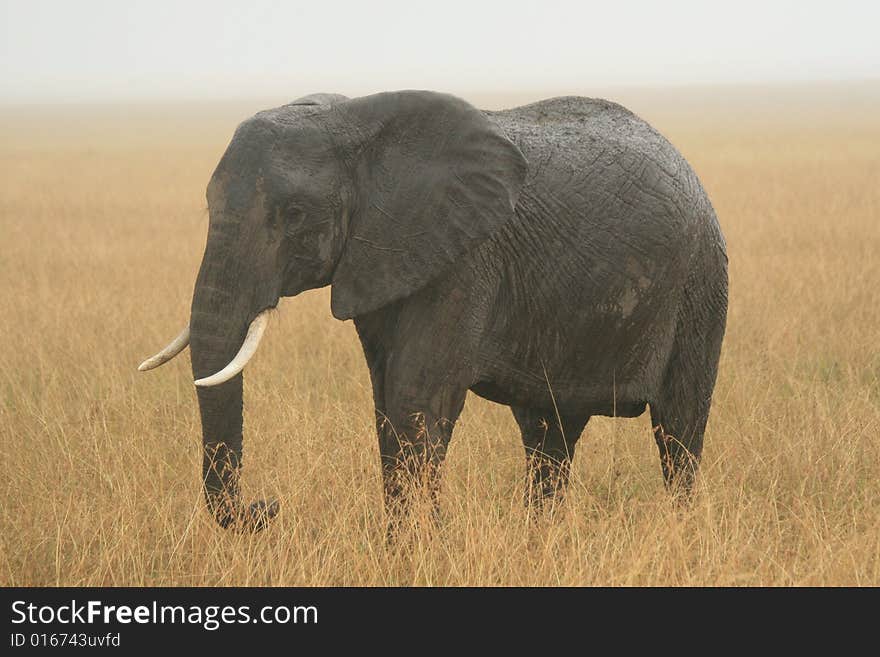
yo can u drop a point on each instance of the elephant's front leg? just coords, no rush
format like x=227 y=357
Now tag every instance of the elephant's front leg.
x=413 y=438
x=412 y=447
x=419 y=391
x=549 y=440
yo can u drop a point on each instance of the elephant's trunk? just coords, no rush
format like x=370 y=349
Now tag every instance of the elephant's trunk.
x=221 y=313
x=221 y=411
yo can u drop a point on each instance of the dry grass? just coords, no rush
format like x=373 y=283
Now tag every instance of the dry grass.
x=103 y=224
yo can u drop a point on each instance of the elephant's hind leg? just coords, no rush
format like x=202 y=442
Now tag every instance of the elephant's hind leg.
x=678 y=427
x=681 y=408
x=549 y=440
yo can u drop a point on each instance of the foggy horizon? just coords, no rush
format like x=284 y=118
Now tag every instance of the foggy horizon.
x=98 y=51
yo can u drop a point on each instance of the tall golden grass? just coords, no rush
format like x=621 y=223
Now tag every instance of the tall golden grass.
x=103 y=220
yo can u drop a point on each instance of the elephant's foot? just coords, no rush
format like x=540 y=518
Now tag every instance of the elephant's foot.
x=230 y=514
x=257 y=517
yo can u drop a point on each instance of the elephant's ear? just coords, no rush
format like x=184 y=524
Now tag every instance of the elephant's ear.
x=433 y=180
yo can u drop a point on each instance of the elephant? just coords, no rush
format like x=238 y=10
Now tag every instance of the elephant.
x=561 y=258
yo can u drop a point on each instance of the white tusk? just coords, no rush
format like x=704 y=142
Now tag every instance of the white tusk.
x=248 y=349
x=177 y=345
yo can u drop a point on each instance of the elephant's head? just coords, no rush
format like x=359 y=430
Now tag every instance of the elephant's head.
x=376 y=196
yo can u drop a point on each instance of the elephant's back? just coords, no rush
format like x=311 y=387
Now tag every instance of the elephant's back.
x=600 y=165
x=578 y=126
x=567 y=118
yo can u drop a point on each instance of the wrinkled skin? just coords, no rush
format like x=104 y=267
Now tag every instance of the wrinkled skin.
x=560 y=258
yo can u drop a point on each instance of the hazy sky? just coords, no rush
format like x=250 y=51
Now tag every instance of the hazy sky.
x=86 y=50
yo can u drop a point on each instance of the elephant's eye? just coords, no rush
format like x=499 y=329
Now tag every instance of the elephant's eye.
x=293 y=213
x=294 y=222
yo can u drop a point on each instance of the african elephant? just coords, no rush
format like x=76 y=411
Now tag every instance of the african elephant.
x=561 y=258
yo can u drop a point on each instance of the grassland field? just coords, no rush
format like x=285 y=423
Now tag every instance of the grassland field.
x=103 y=221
